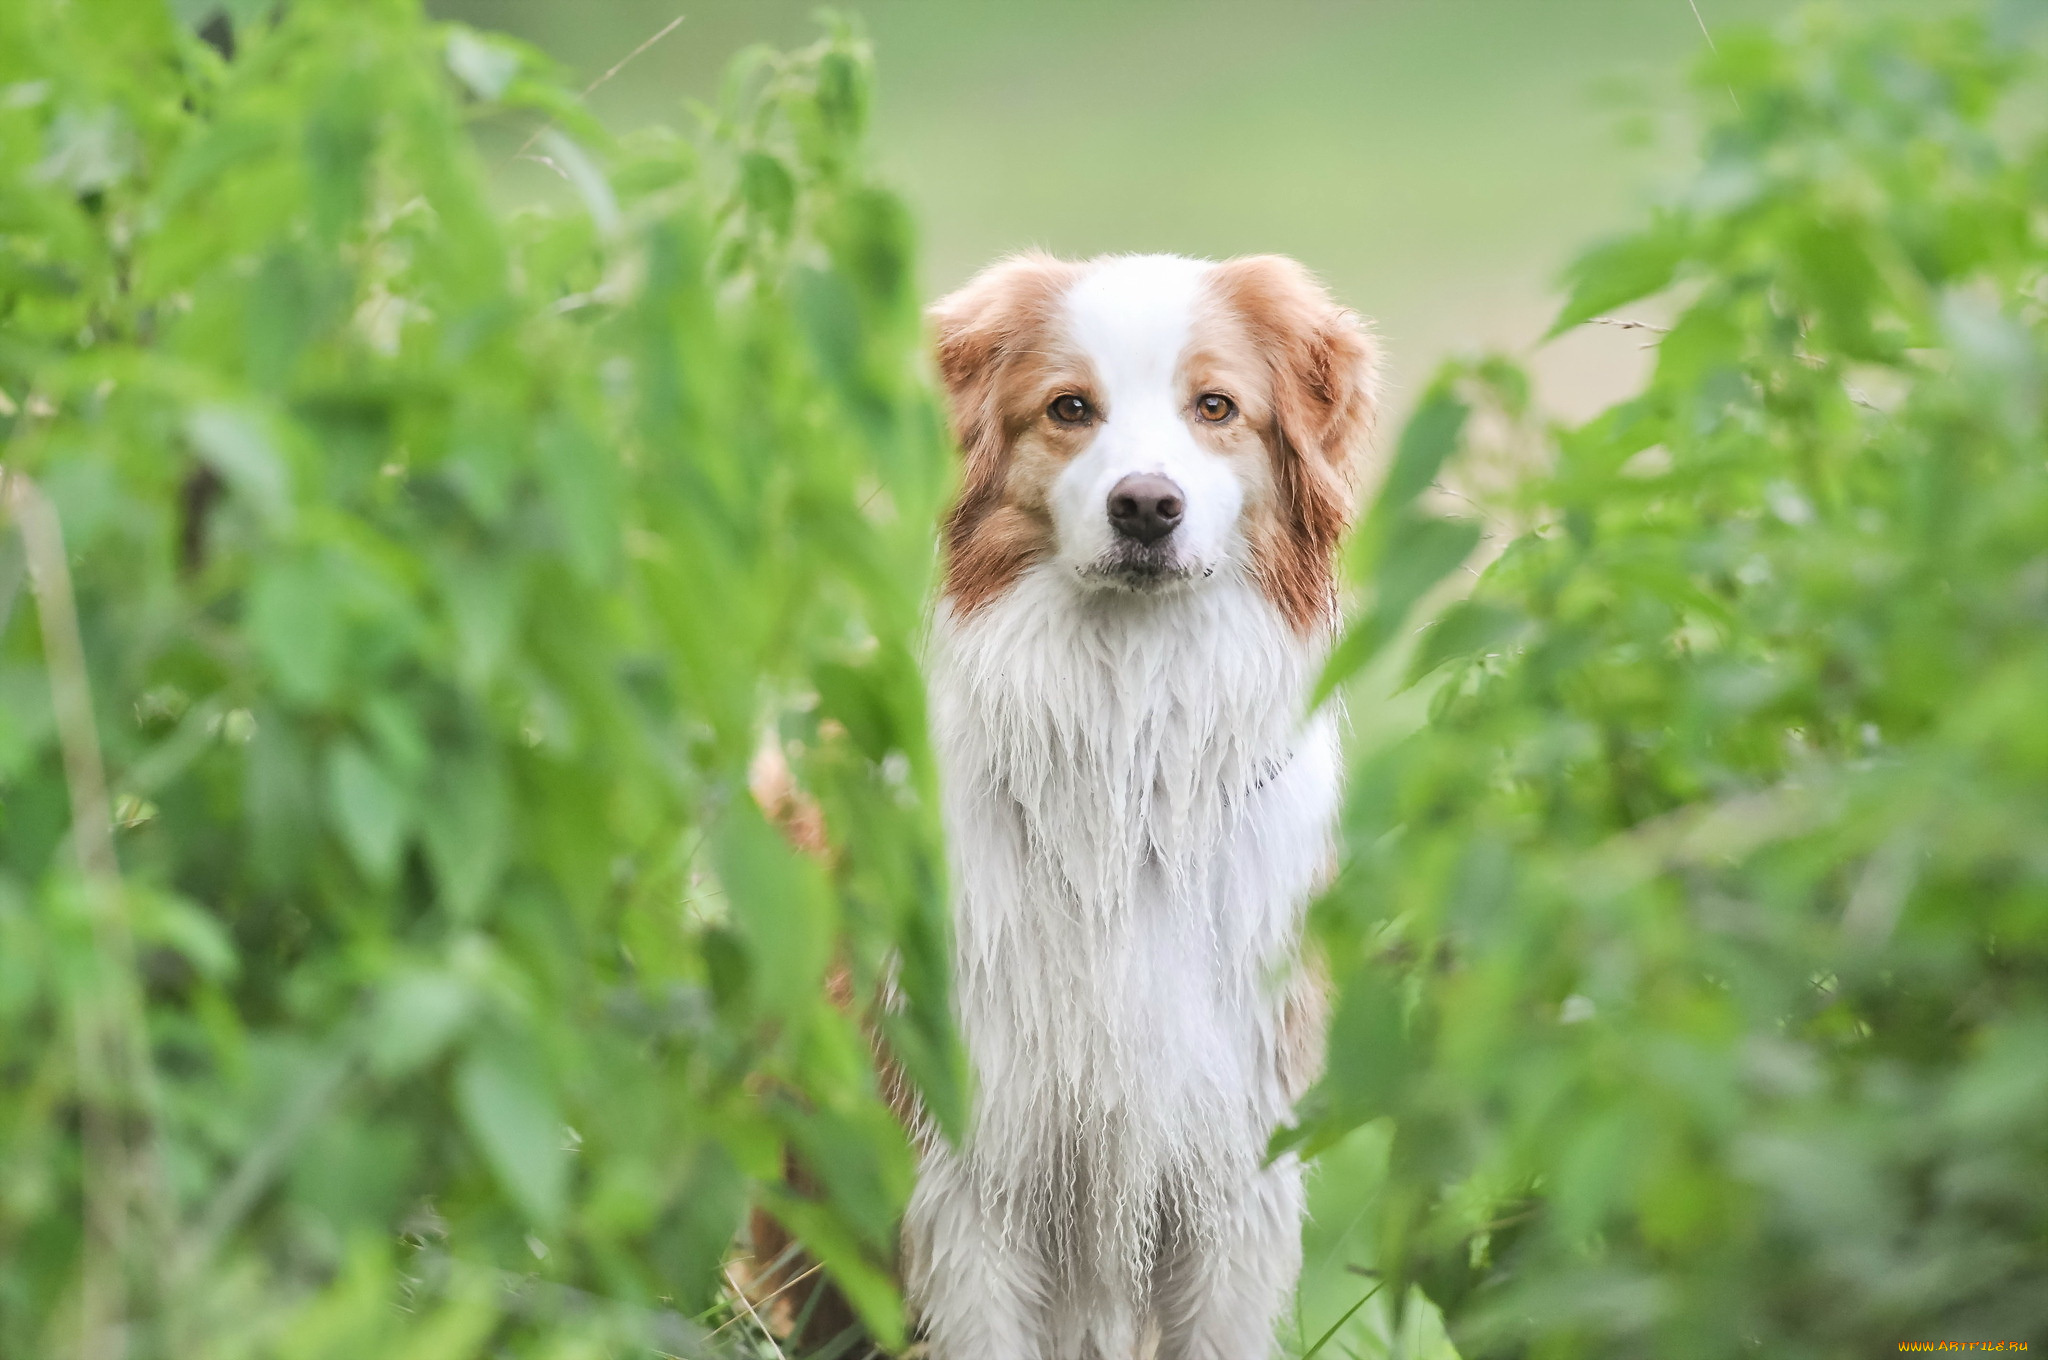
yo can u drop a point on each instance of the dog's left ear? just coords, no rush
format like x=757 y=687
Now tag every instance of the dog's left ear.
x=1325 y=390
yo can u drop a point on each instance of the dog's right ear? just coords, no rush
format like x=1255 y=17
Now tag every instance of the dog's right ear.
x=977 y=328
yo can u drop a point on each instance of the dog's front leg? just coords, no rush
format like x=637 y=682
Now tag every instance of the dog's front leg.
x=978 y=1292
x=1219 y=1297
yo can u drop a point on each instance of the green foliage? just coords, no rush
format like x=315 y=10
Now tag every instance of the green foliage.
x=440 y=572
x=1694 y=949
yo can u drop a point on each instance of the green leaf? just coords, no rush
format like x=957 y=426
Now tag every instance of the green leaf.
x=1705 y=344
x=27 y=722
x=1619 y=271
x=1419 y=553
x=234 y=442
x=769 y=191
x=178 y=924
x=416 y=1015
x=369 y=808
x=88 y=152
x=867 y=1287
x=467 y=825
x=779 y=904
x=480 y=62
x=582 y=479
x=1430 y=436
x=854 y=696
x=295 y=622
x=1371 y=1059
x=510 y=1114
x=482 y=599
x=584 y=177
x=1465 y=629
x=340 y=139
x=13 y=576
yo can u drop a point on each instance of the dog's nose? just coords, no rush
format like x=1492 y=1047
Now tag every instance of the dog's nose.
x=1145 y=506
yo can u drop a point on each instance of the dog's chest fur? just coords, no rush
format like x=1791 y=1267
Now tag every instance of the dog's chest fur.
x=1137 y=813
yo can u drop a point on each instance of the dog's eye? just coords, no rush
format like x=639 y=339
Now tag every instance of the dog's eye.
x=1214 y=407
x=1068 y=409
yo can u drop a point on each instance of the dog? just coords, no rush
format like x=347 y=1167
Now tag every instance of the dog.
x=1161 y=458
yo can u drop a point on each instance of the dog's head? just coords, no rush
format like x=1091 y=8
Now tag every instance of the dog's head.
x=1148 y=423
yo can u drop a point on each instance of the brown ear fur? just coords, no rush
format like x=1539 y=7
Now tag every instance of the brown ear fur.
x=1325 y=394
x=997 y=316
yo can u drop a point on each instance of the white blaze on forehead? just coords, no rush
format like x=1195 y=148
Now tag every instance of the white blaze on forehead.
x=1132 y=315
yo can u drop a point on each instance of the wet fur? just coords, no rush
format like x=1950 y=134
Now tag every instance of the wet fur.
x=1137 y=804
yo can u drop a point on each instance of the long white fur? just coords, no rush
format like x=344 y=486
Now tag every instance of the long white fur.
x=1138 y=811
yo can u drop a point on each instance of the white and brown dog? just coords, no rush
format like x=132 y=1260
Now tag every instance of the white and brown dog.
x=1139 y=590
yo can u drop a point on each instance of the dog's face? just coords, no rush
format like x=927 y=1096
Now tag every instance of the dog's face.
x=1150 y=423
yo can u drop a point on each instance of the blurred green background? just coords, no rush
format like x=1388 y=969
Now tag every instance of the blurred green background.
x=1436 y=161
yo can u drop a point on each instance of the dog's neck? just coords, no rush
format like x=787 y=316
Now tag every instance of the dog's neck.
x=1127 y=728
